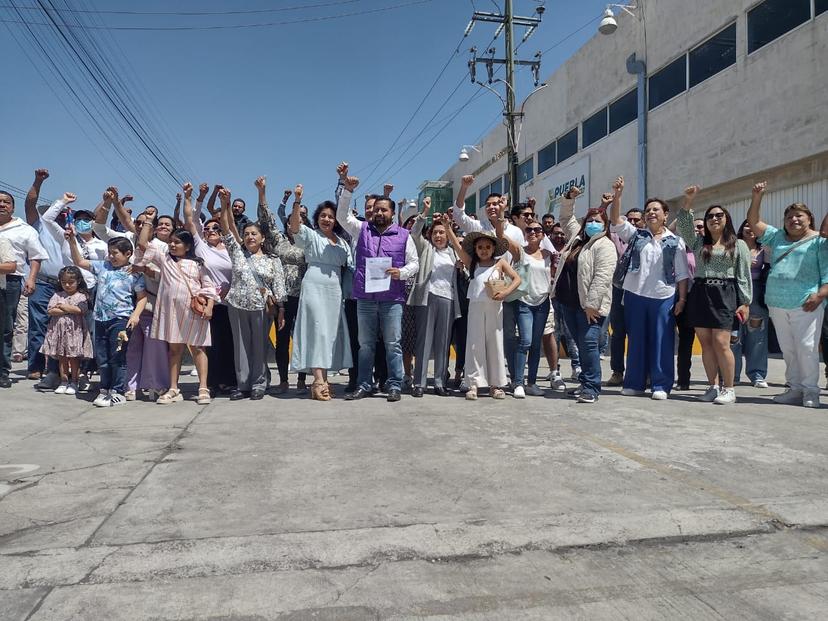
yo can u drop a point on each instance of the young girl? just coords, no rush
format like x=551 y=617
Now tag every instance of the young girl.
x=67 y=337
x=183 y=279
x=485 y=361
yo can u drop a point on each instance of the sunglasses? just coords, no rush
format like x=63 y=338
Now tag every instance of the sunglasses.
x=633 y=220
x=211 y=229
x=534 y=230
x=715 y=216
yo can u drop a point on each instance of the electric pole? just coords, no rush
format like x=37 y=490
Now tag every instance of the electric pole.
x=507 y=21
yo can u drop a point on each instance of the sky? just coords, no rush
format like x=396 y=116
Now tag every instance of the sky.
x=221 y=104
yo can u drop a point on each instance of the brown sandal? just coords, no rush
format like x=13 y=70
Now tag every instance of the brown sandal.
x=319 y=392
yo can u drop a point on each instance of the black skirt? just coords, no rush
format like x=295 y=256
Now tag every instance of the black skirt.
x=712 y=303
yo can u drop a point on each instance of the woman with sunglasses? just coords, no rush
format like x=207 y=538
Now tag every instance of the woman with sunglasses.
x=795 y=293
x=531 y=310
x=209 y=247
x=722 y=289
x=652 y=269
x=582 y=284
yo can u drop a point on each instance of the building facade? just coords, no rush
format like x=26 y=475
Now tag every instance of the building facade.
x=734 y=92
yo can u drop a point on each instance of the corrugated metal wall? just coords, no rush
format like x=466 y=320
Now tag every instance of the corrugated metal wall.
x=814 y=195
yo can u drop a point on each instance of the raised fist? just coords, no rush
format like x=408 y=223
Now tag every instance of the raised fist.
x=387 y=189
x=691 y=191
x=261 y=182
x=178 y=197
x=427 y=202
x=351 y=183
x=342 y=170
x=574 y=192
x=298 y=191
x=618 y=185
x=68 y=197
x=203 y=188
x=286 y=195
x=759 y=188
x=108 y=197
x=127 y=198
x=224 y=197
x=188 y=190
x=467 y=180
x=41 y=174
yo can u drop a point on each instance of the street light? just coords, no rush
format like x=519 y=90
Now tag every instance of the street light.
x=608 y=23
x=464 y=154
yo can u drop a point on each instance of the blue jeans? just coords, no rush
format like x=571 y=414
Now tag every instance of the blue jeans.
x=38 y=322
x=587 y=335
x=510 y=337
x=111 y=362
x=651 y=331
x=619 y=331
x=375 y=319
x=11 y=296
x=753 y=343
x=565 y=336
x=531 y=321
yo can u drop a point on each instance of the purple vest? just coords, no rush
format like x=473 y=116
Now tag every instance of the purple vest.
x=371 y=244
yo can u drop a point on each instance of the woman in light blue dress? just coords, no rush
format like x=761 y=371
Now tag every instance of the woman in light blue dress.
x=320 y=336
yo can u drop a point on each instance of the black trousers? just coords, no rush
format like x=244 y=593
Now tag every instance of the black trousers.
x=283 y=340
x=221 y=366
x=686 y=334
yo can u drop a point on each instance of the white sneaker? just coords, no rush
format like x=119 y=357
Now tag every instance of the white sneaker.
x=726 y=397
x=710 y=395
x=71 y=388
x=557 y=384
x=519 y=393
x=102 y=400
x=576 y=373
x=116 y=399
x=811 y=400
x=760 y=384
x=789 y=397
x=61 y=390
x=659 y=395
x=631 y=392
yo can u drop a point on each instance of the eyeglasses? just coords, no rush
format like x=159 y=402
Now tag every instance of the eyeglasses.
x=211 y=229
x=534 y=230
x=633 y=220
x=715 y=216
x=527 y=214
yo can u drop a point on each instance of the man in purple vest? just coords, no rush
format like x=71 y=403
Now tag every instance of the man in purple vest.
x=379 y=309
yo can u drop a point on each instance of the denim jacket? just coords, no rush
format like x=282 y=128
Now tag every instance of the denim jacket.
x=630 y=261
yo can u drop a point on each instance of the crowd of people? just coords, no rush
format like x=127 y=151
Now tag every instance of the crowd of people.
x=383 y=294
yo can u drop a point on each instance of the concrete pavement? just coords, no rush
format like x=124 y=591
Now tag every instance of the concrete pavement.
x=432 y=508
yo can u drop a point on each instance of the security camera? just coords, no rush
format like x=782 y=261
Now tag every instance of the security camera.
x=608 y=24
x=464 y=155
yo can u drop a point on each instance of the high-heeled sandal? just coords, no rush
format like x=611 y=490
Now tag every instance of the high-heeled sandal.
x=319 y=392
x=203 y=396
x=173 y=395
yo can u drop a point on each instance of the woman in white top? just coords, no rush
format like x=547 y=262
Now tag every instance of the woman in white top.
x=435 y=299
x=532 y=308
x=652 y=268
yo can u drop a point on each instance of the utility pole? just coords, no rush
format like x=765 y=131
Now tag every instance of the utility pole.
x=507 y=21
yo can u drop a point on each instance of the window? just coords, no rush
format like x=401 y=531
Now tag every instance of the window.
x=525 y=171
x=497 y=186
x=821 y=6
x=669 y=82
x=547 y=158
x=594 y=128
x=484 y=192
x=567 y=145
x=773 y=18
x=470 y=206
x=714 y=55
x=623 y=111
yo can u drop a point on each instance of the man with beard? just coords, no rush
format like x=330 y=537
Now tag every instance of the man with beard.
x=380 y=312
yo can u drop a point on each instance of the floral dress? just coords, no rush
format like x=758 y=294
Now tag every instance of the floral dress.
x=67 y=335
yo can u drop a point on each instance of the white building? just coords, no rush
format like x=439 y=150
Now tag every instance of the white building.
x=736 y=92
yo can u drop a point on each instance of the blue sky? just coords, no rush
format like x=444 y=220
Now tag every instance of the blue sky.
x=289 y=101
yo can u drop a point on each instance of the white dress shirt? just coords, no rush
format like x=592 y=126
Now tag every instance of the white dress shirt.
x=25 y=244
x=94 y=250
x=648 y=281
x=6 y=255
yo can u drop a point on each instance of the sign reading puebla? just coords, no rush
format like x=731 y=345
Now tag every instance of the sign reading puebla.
x=550 y=188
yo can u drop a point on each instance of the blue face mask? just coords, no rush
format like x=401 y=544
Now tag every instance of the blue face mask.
x=593 y=228
x=83 y=226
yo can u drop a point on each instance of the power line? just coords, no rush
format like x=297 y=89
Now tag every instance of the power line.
x=233 y=26
x=196 y=13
